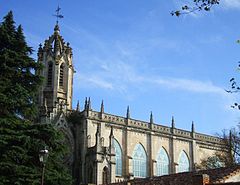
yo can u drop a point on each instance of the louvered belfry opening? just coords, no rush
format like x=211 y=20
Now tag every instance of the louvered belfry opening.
x=50 y=71
x=61 y=76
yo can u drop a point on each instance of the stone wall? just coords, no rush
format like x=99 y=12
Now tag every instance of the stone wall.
x=130 y=132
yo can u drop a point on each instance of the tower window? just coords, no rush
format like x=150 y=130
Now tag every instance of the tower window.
x=61 y=75
x=49 y=80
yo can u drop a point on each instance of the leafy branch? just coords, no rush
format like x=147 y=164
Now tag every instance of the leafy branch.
x=198 y=5
x=234 y=89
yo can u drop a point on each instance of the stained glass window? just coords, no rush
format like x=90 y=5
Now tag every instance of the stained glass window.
x=139 y=161
x=162 y=163
x=118 y=157
x=183 y=163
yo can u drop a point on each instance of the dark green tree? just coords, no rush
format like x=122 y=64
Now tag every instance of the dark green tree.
x=19 y=84
x=20 y=144
x=20 y=138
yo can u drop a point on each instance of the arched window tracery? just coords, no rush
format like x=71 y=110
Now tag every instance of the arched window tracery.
x=118 y=157
x=139 y=161
x=162 y=162
x=183 y=163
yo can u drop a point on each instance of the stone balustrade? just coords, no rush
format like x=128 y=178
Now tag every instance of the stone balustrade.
x=109 y=118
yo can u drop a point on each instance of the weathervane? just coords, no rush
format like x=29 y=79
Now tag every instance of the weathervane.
x=58 y=15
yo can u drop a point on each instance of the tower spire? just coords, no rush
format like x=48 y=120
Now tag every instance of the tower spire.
x=58 y=70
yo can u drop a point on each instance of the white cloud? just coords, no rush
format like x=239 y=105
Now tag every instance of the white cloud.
x=116 y=66
x=231 y=3
x=120 y=76
x=94 y=81
x=190 y=85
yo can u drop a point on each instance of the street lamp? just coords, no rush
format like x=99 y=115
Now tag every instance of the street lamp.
x=43 y=155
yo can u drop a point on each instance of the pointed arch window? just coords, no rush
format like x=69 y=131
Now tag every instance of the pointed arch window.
x=61 y=75
x=139 y=161
x=118 y=157
x=162 y=162
x=50 y=73
x=183 y=163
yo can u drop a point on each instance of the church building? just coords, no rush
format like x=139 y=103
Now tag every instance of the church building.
x=108 y=148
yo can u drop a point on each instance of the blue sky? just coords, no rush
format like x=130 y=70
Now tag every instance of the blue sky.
x=135 y=53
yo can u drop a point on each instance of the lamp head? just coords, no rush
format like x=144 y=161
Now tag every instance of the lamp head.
x=43 y=155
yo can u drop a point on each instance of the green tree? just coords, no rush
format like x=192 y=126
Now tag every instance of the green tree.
x=18 y=83
x=20 y=138
x=20 y=143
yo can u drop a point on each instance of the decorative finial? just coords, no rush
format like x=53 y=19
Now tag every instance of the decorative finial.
x=173 y=122
x=151 y=118
x=89 y=103
x=58 y=15
x=78 y=106
x=193 y=127
x=40 y=53
x=128 y=112
x=102 y=107
x=85 y=105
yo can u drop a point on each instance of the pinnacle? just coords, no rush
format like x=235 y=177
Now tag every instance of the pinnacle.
x=56 y=28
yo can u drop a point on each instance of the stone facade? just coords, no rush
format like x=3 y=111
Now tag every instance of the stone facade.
x=91 y=135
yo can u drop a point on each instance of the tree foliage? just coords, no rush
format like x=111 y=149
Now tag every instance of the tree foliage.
x=196 y=5
x=227 y=157
x=20 y=138
x=20 y=144
x=234 y=88
x=215 y=161
x=18 y=83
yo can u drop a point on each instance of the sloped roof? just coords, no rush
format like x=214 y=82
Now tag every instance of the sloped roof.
x=187 y=178
x=216 y=176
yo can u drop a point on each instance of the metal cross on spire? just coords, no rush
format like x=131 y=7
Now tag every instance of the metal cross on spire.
x=58 y=15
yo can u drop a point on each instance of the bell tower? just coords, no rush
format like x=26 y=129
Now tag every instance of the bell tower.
x=56 y=92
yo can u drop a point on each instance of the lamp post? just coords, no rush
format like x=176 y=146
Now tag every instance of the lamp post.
x=43 y=155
